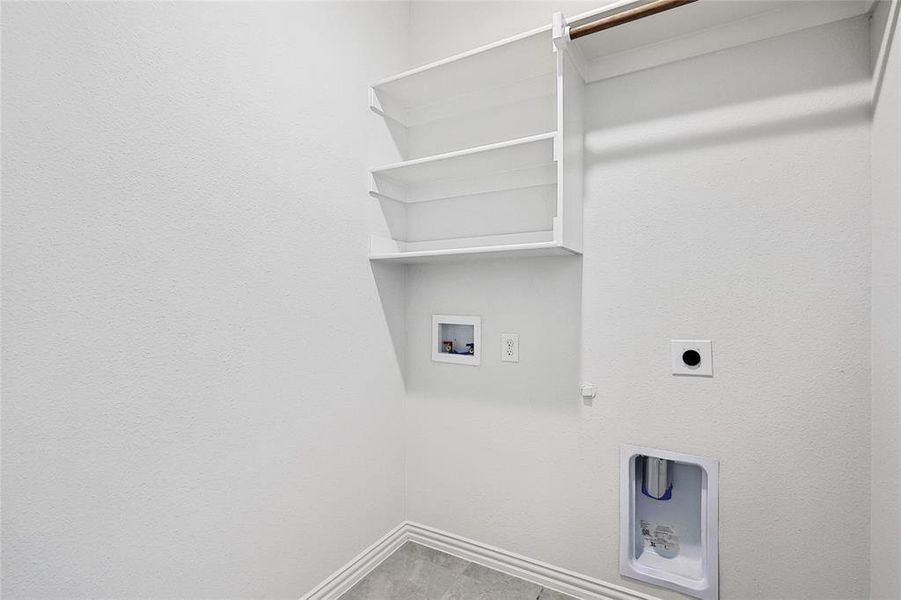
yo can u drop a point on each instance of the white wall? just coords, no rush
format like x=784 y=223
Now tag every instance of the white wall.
x=885 y=543
x=727 y=197
x=442 y=28
x=200 y=394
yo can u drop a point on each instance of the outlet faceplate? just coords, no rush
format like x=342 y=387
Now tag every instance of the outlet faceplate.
x=510 y=347
x=692 y=357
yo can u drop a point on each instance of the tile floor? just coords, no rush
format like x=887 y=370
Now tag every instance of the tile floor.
x=415 y=572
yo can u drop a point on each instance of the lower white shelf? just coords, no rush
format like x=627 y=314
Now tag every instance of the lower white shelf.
x=536 y=243
x=513 y=164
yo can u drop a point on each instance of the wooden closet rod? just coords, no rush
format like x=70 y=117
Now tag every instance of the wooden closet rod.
x=627 y=16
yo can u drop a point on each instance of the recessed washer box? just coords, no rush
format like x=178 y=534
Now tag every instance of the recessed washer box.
x=457 y=339
x=669 y=520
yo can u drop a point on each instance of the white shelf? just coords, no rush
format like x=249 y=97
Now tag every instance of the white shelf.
x=493 y=143
x=538 y=243
x=513 y=164
x=697 y=29
x=524 y=61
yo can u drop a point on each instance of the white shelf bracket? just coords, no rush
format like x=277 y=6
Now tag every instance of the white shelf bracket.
x=384 y=188
x=387 y=108
x=562 y=43
x=560 y=31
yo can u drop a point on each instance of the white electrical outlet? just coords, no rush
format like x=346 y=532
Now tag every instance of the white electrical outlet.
x=510 y=347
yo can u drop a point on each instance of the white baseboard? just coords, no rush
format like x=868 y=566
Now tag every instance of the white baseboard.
x=359 y=567
x=568 y=582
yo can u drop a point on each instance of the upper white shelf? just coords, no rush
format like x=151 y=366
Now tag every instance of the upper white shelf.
x=690 y=30
x=696 y=29
x=525 y=61
x=524 y=162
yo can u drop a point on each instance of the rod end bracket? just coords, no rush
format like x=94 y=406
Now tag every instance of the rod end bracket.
x=560 y=31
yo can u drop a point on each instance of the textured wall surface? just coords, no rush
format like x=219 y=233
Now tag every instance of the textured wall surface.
x=727 y=197
x=188 y=305
x=885 y=545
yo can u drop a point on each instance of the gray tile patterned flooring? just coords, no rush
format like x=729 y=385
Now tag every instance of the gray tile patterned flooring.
x=415 y=572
